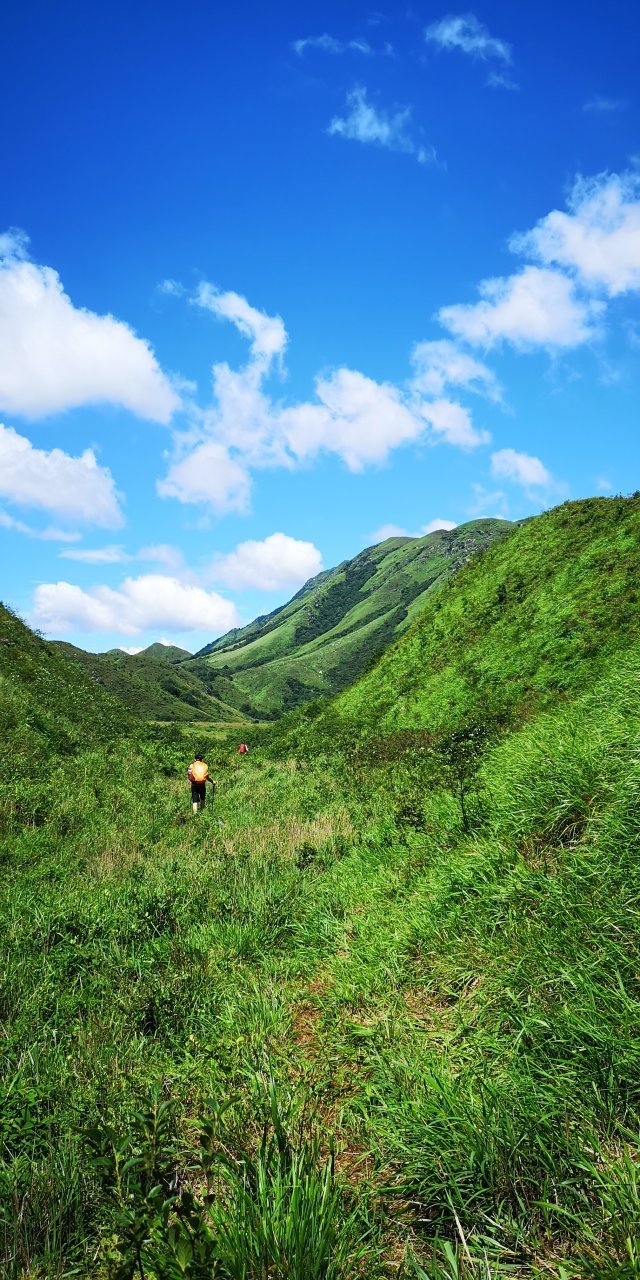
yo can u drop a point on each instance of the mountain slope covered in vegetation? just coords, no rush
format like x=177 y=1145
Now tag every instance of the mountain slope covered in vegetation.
x=331 y=630
x=392 y=969
x=531 y=622
x=157 y=686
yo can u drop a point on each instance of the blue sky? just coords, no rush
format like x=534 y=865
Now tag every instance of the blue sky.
x=277 y=282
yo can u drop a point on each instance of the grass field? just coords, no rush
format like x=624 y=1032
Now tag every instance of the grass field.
x=376 y=1011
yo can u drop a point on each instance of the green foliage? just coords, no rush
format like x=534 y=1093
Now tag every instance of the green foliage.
x=341 y=621
x=402 y=960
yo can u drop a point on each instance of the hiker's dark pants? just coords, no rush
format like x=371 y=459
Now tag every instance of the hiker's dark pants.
x=199 y=793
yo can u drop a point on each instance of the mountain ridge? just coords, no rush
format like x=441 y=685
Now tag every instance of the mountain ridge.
x=332 y=628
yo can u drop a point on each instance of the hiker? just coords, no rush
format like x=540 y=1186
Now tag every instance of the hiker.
x=198 y=775
x=243 y=749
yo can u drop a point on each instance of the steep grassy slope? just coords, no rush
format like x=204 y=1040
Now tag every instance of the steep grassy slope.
x=49 y=706
x=532 y=621
x=328 y=633
x=156 y=686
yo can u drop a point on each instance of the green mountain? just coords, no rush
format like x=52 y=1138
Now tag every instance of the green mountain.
x=155 y=685
x=531 y=622
x=163 y=652
x=49 y=705
x=327 y=635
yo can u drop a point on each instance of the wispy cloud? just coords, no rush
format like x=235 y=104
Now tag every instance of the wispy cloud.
x=391 y=129
x=97 y=555
x=499 y=80
x=604 y=105
x=49 y=534
x=328 y=44
x=465 y=33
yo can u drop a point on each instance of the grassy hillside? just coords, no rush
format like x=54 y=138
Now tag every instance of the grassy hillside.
x=325 y=637
x=48 y=705
x=530 y=623
x=374 y=1013
x=165 y=652
x=155 y=685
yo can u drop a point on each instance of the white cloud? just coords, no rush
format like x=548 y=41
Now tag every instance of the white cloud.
x=536 y=307
x=396 y=531
x=267 y=334
x=132 y=650
x=604 y=105
x=97 y=555
x=365 y=123
x=328 y=44
x=73 y=488
x=54 y=356
x=279 y=561
x=604 y=484
x=169 y=557
x=442 y=364
x=452 y=422
x=520 y=467
x=359 y=419
x=388 y=531
x=434 y=525
x=162 y=553
x=353 y=416
x=49 y=534
x=172 y=289
x=208 y=474
x=466 y=33
x=498 y=80
x=598 y=239
x=485 y=500
x=150 y=601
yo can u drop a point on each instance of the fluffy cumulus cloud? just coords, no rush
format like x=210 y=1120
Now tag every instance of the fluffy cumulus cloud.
x=76 y=489
x=139 y=604
x=521 y=468
x=452 y=423
x=465 y=33
x=351 y=415
x=535 y=307
x=598 y=238
x=364 y=122
x=277 y=562
x=55 y=356
x=207 y=473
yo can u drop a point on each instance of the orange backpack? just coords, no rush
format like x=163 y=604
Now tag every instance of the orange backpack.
x=199 y=771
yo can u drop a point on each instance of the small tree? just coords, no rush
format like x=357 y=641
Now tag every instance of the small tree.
x=460 y=756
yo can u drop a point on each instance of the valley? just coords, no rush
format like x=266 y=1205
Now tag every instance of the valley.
x=375 y=1011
